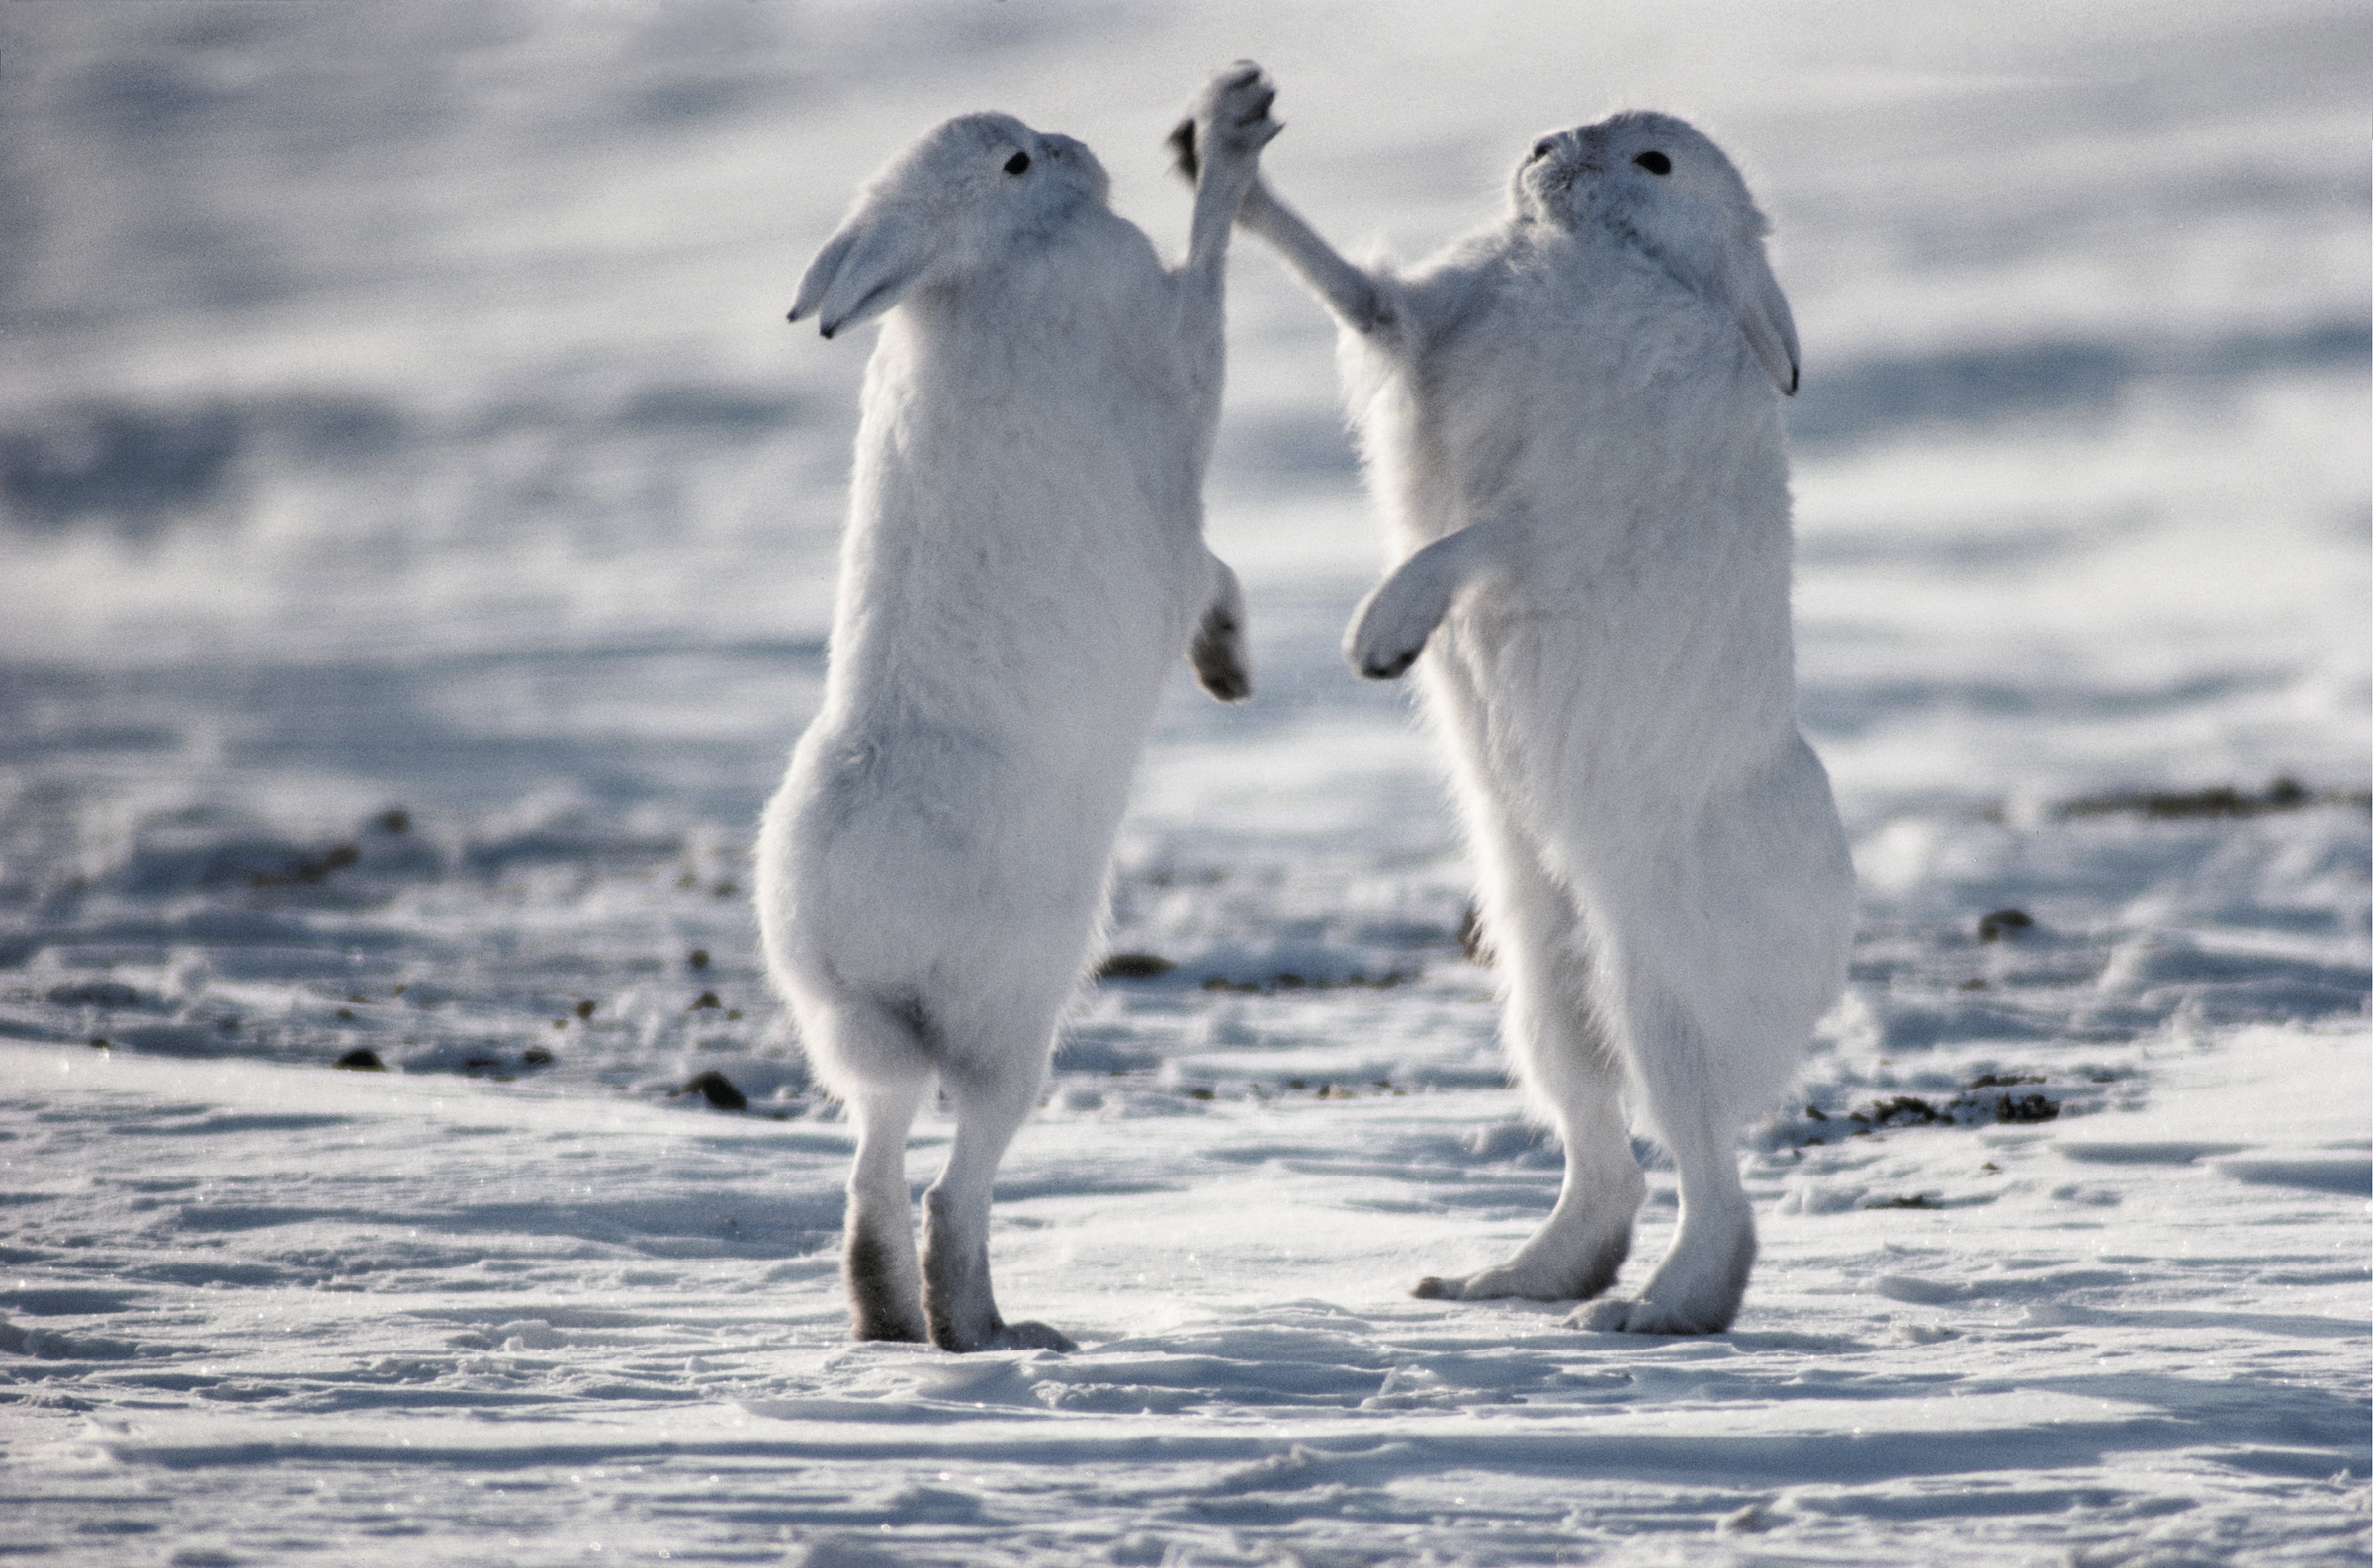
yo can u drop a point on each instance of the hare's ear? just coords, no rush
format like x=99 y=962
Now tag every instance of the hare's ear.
x=1754 y=298
x=863 y=271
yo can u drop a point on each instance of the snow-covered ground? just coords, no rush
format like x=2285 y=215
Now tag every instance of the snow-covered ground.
x=417 y=534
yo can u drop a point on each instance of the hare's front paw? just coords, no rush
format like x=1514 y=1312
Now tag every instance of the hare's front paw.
x=1390 y=629
x=1231 y=119
x=1219 y=664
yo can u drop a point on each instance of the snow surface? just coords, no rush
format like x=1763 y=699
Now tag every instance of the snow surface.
x=416 y=536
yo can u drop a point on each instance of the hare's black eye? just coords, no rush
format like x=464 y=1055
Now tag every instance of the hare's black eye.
x=1019 y=164
x=1542 y=149
x=1654 y=162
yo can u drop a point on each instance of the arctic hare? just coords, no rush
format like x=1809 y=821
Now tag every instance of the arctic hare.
x=1025 y=560
x=1572 y=420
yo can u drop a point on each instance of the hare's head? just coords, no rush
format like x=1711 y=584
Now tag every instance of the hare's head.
x=1655 y=182
x=970 y=193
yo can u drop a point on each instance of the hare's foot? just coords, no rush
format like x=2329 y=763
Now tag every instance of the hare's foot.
x=1028 y=1336
x=1538 y=1275
x=1572 y=1257
x=1696 y=1289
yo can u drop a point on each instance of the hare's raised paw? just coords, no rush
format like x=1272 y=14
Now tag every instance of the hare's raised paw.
x=1222 y=674
x=1217 y=654
x=1231 y=119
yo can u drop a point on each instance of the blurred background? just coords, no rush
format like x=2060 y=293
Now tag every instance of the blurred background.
x=417 y=524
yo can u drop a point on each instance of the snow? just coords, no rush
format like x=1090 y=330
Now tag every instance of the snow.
x=416 y=532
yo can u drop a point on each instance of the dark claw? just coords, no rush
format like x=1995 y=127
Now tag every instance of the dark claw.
x=1431 y=1289
x=1182 y=150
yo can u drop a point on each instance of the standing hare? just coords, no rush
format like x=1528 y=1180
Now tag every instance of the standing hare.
x=1572 y=422
x=1024 y=560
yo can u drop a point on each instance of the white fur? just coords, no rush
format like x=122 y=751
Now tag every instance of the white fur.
x=1572 y=423
x=1023 y=564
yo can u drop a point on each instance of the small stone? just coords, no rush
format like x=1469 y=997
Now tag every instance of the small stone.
x=706 y=1000
x=699 y=958
x=361 y=1060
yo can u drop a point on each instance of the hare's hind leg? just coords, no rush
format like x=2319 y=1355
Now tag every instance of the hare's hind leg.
x=877 y=1259
x=991 y=1104
x=1559 y=1052
x=867 y=1057
x=1703 y=1277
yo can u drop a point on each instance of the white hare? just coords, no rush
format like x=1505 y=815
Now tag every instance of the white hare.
x=1024 y=561
x=1572 y=422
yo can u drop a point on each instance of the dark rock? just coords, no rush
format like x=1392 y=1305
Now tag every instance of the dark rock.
x=1133 y=966
x=1994 y=926
x=1903 y=1110
x=309 y=872
x=2025 y=1108
x=718 y=1090
x=2284 y=794
x=361 y=1060
x=105 y=994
